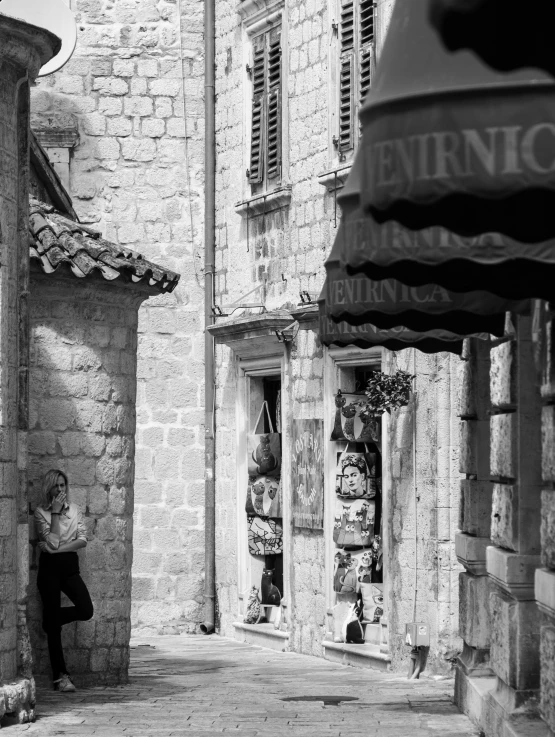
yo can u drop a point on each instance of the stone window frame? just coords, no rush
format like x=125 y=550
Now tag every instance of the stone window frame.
x=257 y=17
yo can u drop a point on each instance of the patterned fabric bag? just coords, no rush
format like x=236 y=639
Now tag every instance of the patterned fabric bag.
x=354 y=522
x=356 y=474
x=252 y=615
x=352 y=421
x=351 y=569
x=372 y=601
x=264 y=451
x=265 y=536
x=264 y=497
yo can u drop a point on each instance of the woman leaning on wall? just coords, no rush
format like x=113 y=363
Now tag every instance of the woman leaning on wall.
x=62 y=533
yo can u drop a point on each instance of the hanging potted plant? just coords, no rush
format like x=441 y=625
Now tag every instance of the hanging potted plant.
x=385 y=392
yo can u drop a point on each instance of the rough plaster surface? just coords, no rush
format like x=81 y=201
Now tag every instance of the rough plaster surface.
x=135 y=176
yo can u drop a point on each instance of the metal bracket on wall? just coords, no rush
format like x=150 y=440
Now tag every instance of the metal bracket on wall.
x=229 y=309
x=287 y=335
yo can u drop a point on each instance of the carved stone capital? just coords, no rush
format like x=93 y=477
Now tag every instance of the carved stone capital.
x=26 y=46
x=512 y=572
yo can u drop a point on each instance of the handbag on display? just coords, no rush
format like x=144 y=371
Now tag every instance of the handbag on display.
x=356 y=474
x=264 y=497
x=372 y=601
x=264 y=450
x=351 y=569
x=354 y=522
x=252 y=615
x=265 y=536
x=352 y=421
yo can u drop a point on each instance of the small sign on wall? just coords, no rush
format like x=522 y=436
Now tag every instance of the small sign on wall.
x=307 y=474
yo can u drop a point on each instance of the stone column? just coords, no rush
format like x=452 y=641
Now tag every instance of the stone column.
x=23 y=50
x=515 y=529
x=474 y=521
x=545 y=576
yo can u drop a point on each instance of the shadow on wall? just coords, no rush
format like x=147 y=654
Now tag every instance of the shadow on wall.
x=82 y=421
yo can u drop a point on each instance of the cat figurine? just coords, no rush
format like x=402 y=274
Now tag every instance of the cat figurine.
x=349 y=413
x=252 y=615
x=340 y=401
x=269 y=592
x=365 y=568
x=349 y=580
x=370 y=428
x=340 y=571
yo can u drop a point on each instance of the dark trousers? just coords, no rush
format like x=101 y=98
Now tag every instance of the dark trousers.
x=60 y=573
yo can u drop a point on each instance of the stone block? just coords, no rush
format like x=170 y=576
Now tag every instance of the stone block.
x=548 y=528
x=474 y=621
x=547 y=686
x=548 y=443
x=515 y=641
x=503 y=375
x=548 y=374
x=474 y=448
x=503 y=461
x=505 y=516
x=475 y=507
x=99 y=659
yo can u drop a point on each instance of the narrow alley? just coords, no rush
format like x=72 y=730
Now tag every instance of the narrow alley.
x=196 y=685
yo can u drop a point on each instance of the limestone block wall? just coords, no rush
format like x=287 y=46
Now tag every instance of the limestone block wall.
x=424 y=507
x=9 y=210
x=82 y=421
x=23 y=49
x=135 y=173
x=308 y=609
x=475 y=517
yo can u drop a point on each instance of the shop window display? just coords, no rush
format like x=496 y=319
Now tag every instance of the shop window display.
x=263 y=506
x=357 y=574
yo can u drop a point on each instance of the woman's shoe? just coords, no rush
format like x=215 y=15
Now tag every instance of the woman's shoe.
x=64 y=684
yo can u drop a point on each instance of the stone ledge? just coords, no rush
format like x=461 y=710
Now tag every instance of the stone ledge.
x=512 y=572
x=263 y=635
x=361 y=656
x=253 y=336
x=471 y=552
x=265 y=203
x=545 y=590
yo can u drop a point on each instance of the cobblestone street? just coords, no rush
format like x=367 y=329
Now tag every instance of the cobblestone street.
x=207 y=685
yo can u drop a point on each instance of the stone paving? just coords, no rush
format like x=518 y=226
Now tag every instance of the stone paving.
x=210 y=685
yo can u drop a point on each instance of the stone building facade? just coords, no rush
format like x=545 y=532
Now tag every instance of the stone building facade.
x=275 y=227
x=23 y=50
x=123 y=125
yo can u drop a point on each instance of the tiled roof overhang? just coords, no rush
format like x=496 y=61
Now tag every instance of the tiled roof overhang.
x=57 y=240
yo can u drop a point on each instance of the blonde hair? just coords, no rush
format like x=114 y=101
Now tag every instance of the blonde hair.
x=49 y=482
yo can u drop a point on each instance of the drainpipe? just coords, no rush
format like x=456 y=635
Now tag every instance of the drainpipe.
x=209 y=261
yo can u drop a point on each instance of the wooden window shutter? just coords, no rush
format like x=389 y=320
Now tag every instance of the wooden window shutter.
x=367 y=46
x=274 y=148
x=346 y=77
x=256 y=168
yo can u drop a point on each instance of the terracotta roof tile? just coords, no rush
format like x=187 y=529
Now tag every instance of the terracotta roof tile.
x=55 y=240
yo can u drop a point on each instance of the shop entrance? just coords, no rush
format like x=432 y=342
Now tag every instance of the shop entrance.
x=260 y=502
x=355 y=505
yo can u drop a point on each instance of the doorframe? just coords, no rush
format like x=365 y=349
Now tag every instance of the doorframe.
x=335 y=361
x=247 y=369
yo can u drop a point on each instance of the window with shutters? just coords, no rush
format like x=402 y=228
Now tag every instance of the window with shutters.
x=265 y=161
x=355 y=31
